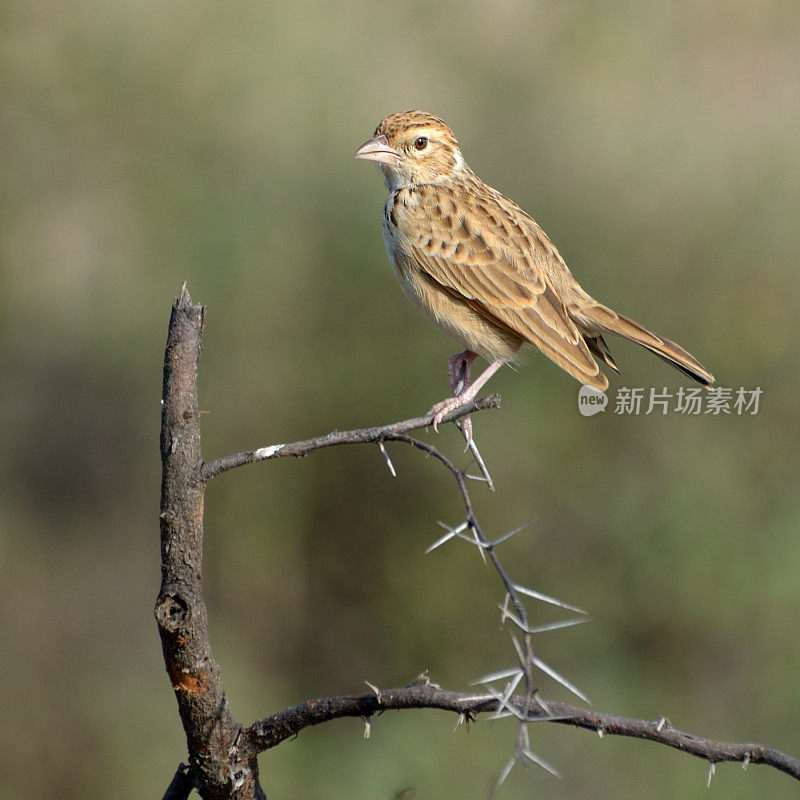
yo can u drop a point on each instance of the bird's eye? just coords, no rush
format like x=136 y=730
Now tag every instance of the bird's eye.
x=421 y=142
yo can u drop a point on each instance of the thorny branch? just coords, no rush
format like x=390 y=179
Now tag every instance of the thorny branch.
x=222 y=754
x=374 y=435
x=398 y=432
x=269 y=732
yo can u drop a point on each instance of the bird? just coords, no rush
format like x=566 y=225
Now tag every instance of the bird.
x=485 y=272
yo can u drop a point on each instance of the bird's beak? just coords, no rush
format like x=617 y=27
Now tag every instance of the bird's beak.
x=378 y=150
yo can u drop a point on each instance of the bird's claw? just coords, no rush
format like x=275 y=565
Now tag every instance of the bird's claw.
x=441 y=410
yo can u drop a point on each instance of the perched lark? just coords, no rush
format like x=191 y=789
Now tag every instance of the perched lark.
x=484 y=271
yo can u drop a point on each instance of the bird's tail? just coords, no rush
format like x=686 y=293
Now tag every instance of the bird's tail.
x=608 y=320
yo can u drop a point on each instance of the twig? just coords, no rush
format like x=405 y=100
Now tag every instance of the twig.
x=269 y=732
x=181 y=785
x=485 y=546
x=373 y=435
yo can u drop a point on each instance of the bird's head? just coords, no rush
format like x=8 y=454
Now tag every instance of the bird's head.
x=413 y=148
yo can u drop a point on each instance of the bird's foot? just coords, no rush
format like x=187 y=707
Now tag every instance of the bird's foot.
x=442 y=409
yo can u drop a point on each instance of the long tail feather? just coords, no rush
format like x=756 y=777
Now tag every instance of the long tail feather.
x=672 y=353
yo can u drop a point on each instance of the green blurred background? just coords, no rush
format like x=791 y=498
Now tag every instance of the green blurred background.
x=146 y=143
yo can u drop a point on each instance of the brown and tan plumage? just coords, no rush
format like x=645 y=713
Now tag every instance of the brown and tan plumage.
x=483 y=270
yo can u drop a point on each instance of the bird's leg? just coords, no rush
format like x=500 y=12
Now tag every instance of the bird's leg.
x=458 y=371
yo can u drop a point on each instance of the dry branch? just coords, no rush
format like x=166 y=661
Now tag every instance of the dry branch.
x=376 y=435
x=222 y=754
x=271 y=731
x=219 y=769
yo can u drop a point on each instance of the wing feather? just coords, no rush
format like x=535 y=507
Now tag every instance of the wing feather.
x=491 y=257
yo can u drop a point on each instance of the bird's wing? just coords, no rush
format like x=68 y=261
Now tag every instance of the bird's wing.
x=488 y=252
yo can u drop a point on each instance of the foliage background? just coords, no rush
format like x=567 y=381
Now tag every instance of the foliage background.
x=146 y=142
